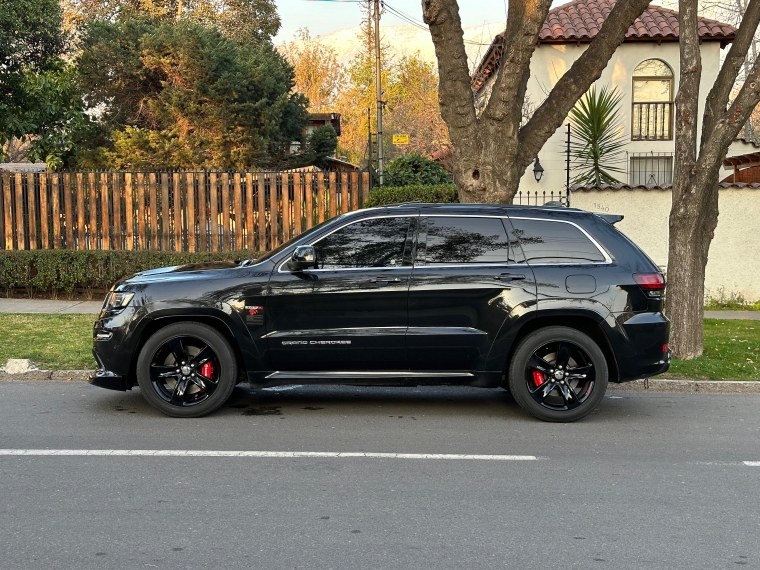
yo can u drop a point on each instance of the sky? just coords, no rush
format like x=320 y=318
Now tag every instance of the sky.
x=325 y=16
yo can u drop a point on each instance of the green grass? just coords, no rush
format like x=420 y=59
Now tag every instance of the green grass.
x=64 y=342
x=732 y=352
x=52 y=342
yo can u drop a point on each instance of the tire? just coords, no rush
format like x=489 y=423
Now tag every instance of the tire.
x=186 y=370
x=552 y=391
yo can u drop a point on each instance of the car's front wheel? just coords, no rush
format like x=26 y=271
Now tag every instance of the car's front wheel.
x=558 y=374
x=186 y=370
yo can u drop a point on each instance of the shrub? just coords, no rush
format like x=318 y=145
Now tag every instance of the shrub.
x=441 y=193
x=52 y=272
x=414 y=169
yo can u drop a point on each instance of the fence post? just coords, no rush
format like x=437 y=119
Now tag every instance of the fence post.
x=249 y=236
x=20 y=241
x=261 y=213
x=214 y=198
x=44 y=216
x=128 y=205
x=8 y=207
x=104 y=219
x=55 y=206
x=297 y=203
x=190 y=202
x=153 y=196
x=177 y=212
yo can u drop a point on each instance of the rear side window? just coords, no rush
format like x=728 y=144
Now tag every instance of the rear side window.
x=554 y=242
x=370 y=243
x=464 y=240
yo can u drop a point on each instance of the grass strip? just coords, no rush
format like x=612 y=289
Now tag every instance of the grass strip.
x=64 y=342
x=52 y=342
x=731 y=352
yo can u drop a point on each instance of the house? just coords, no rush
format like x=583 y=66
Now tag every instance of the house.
x=316 y=120
x=644 y=69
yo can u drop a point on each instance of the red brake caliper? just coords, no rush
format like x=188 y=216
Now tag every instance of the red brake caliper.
x=538 y=378
x=207 y=370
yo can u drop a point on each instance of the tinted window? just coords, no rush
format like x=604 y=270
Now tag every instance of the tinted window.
x=554 y=242
x=369 y=243
x=466 y=240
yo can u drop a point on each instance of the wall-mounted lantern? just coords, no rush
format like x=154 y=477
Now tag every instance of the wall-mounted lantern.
x=538 y=170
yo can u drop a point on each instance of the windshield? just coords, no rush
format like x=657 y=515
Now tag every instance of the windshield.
x=275 y=251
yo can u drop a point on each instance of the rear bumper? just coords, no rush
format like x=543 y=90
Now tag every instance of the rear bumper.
x=109 y=380
x=644 y=352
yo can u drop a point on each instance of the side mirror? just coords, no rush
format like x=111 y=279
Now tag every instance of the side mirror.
x=304 y=257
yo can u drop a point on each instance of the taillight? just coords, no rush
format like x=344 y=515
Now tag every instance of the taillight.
x=651 y=283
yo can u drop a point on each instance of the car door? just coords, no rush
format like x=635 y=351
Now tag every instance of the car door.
x=466 y=285
x=350 y=313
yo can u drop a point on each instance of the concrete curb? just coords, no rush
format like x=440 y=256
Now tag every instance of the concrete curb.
x=685 y=385
x=652 y=385
x=43 y=375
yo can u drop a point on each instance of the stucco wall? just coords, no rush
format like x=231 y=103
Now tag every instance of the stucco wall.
x=734 y=260
x=550 y=62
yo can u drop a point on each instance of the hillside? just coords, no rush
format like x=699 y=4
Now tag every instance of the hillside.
x=407 y=40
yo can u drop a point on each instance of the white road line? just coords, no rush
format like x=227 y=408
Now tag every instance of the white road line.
x=278 y=454
x=752 y=463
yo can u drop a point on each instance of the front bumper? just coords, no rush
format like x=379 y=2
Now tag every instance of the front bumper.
x=109 y=380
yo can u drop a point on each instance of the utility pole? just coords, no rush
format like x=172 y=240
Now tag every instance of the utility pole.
x=379 y=90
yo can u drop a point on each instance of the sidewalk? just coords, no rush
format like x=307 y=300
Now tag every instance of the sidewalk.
x=50 y=307
x=93 y=308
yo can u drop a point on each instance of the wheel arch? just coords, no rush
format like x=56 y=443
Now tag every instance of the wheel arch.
x=159 y=322
x=590 y=324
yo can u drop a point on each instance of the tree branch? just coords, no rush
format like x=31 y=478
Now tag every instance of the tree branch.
x=455 y=92
x=573 y=84
x=524 y=22
x=717 y=100
x=687 y=100
x=731 y=121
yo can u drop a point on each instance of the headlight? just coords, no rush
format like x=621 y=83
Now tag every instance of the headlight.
x=115 y=302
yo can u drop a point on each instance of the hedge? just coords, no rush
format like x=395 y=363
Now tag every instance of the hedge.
x=53 y=272
x=414 y=170
x=441 y=193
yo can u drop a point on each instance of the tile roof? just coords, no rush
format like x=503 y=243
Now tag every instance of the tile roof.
x=581 y=20
x=668 y=187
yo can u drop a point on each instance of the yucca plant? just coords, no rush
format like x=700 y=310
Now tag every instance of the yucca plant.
x=597 y=137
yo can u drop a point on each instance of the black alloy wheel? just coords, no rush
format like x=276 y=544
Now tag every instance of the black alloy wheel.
x=558 y=374
x=186 y=370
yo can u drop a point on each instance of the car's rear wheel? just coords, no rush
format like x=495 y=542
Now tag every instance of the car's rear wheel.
x=186 y=370
x=558 y=374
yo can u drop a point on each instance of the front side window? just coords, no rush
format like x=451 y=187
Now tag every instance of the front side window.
x=465 y=240
x=652 y=113
x=549 y=242
x=378 y=242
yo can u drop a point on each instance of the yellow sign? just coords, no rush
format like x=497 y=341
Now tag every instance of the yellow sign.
x=400 y=139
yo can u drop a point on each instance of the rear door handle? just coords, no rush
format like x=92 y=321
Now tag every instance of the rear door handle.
x=509 y=277
x=381 y=281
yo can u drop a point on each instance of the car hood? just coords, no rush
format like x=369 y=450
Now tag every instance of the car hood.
x=192 y=271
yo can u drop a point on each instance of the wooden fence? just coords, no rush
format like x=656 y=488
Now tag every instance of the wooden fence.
x=171 y=211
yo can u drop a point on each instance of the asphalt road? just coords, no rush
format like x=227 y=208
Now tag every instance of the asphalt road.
x=648 y=481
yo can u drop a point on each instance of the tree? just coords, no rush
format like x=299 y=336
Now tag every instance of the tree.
x=31 y=42
x=493 y=150
x=412 y=108
x=318 y=75
x=414 y=169
x=244 y=21
x=320 y=145
x=598 y=137
x=180 y=95
x=694 y=212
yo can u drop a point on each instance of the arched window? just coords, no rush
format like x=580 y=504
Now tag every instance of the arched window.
x=652 y=114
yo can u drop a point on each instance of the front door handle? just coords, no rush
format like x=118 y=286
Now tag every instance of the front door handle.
x=509 y=277
x=383 y=281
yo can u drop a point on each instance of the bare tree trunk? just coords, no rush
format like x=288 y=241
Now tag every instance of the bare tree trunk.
x=492 y=152
x=694 y=210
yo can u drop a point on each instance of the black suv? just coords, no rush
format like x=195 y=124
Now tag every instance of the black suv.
x=550 y=303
